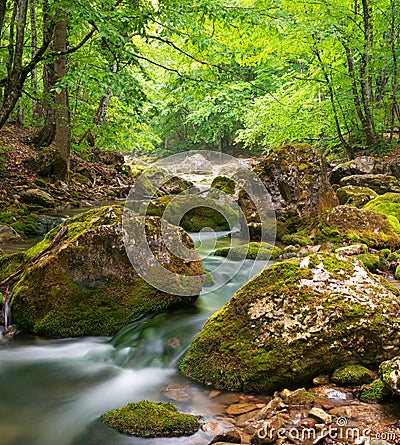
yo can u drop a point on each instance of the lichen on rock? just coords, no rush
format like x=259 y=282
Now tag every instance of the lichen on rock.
x=295 y=320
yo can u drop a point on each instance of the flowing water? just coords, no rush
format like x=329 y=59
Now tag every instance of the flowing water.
x=53 y=391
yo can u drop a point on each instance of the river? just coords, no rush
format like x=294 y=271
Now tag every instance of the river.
x=53 y=391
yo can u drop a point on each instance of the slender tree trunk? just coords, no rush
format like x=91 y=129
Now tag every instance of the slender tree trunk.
x=91 y=134
x=34 y=73
x=371 y=138
x=395 y=68
x=62 y=117
x=3 y=9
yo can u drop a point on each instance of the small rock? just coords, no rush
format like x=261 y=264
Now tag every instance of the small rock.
x=176 y=392
x=354 y=249
x=321 y=380
x=352 y=375
x=300 y=397
x=231 y=436
x=241 y=408
x=285 y=393
x=214 y=393
x=9 y=235
x=38 y=197
x=276 y=404
x=320 y=415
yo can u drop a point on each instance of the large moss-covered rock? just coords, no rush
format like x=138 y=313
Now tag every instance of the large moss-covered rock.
x=86 y=285
x=389 y=372
x=355 y=196
x=193 y=212
x=345 y=224
x=388 y=204
x=253 y=250
x=296 y=177
x=379 y=183
x=295 y=320
x=362 y=165
x=149 y=419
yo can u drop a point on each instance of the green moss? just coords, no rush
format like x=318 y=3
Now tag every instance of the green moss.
x=384 y=253
x=148 y=419
x=372 y=262
x=397 y=272
x=351 y=375
x=20 y=219
x=348 y=224
x=223 y=184
x=387 y=204
x=355 y=196
x=193 y=212
x=253 y=250
x=11 y=263
x=209 y=280
x=262 y=339
x=375 y=392
x=299 y=238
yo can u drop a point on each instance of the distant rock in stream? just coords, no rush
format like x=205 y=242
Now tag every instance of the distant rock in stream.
x=86 y=285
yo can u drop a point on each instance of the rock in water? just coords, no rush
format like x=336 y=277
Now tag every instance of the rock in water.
x=86 y=285
x=295 y=320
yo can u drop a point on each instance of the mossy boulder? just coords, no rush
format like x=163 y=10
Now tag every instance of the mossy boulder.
x=86 y=285
x=352 y=375
x=355 y=196
x=388 y=204
x=192 y=212
x=375 y=392
x=372 y=262
x=344 y=224
x=296 y=178
x=298 y=238
x=379 y=183
x=389 y=372
x=295 y=320
x=149 y=419
x=253 y=250
x=9 y=235
x=363 y=165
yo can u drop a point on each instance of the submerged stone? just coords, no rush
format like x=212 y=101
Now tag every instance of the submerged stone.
x=149 y=419
x=86 y=285
x=295 y=320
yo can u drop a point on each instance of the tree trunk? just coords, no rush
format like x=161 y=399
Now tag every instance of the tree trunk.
x=395 y=67
x=34 y=74
x=62 y=117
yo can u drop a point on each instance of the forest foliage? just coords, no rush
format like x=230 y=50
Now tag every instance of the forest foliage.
x=170 y=75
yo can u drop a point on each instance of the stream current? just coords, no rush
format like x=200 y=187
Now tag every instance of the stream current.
x=52 y=392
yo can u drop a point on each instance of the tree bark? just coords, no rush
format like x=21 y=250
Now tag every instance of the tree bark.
x=395 y=68
x=34 y=74
x=62 y=116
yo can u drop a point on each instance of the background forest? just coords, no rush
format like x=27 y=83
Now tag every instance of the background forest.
x=173 y=75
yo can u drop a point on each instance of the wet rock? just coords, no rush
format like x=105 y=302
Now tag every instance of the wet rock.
x=379 y=183
x=148 y=419
x=300 y=397
x=320 y=415
x=296 y=319
x=86 y=285
x=352 y=375
x=38 y=197
x=355 y=196
x=390 y=374
x=9 y=235
x=321 y=380
x=362 y=165
x=179 y=393
x=241 y=408
x=354 y=249
x=231 y=436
